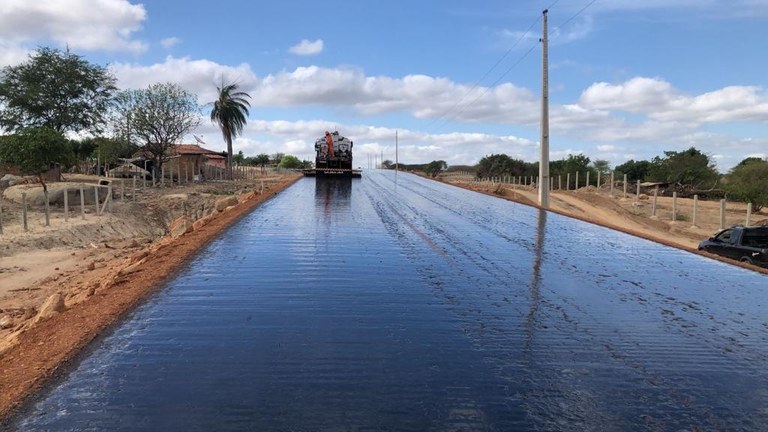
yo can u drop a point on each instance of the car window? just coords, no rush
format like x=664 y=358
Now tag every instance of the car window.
x=758 y=239
x=724 y=236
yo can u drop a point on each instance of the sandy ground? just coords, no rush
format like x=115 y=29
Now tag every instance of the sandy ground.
x=98 y=266
x=61 y=286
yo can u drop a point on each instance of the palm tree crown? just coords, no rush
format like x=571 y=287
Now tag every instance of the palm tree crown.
x=230 y=113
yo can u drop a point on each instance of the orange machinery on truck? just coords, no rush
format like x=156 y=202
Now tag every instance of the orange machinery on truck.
x=333 y=157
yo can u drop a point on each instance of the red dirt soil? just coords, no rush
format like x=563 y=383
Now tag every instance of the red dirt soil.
x=50 y=345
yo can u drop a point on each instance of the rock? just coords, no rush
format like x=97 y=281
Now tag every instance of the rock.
x=28 y=313
x=91 y=266
x=200 y=223
x=53 y=305
x=9 y=180
x=6 y=322
x=138 y=256
x=223 y=203
x=246 y=196
x=130 y=269
x=642 y=197
x=181 y=226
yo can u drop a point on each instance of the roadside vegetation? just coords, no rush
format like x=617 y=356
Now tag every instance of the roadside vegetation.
x=686 y=172
x=57 y=110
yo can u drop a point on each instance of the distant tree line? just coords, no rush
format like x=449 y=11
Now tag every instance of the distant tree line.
x=689 y=171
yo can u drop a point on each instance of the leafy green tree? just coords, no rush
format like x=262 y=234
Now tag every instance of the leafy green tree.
x=305 y=164
x=750 y=160
x=690 y=168
x=35 y=150
x=276 y=158
x=230 y=113
x=497 y=165
x=157 y=117
x=602 y=166
x=83 y=150
x=57 y=90
x=262 y=160
x=635 y=170
x=435 y=167
x=239 y=158
x=748 y=181
x=571 y=165
x=111 y=150
x=289 y=162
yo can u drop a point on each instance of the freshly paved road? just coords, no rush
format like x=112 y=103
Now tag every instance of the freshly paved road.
x=398 y=303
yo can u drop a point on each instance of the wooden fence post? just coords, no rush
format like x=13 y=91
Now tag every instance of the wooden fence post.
x=612 y=175
x=66 y=204
x=82 y=202
x=695 y=209
x=722 y=213
x=96 y=199
x=674 y=206
x=47 y=208
x=625 y=186
x=24 y=211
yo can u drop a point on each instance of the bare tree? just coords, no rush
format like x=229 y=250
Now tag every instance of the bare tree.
x=156 y=118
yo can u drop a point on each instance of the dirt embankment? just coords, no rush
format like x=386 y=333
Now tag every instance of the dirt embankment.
x=77 y=280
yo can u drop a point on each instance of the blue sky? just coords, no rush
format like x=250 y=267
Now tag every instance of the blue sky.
x=629 y=79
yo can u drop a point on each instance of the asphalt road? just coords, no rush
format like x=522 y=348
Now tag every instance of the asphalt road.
x=393 y=302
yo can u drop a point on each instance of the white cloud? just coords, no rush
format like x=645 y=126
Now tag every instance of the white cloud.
x=11 y=54
x=199 y=77
x=642 y=116
x=715 y=9
x=420 y=95
x=80 y=24
x=573 y=31
x=170 y=42
x=661 y=102
x=306 y=47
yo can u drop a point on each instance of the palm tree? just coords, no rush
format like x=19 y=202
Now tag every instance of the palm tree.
x=230 y=112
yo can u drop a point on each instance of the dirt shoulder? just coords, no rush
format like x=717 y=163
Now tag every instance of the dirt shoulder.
x=87 y=289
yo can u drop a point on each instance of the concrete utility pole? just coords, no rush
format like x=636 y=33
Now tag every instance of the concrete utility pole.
x=397 y=159
x=544 y=160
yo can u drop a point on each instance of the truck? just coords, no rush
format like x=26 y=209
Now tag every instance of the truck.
x=744 y=243
x=333 y=157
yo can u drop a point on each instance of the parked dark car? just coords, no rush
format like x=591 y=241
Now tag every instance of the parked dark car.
x=746 y=244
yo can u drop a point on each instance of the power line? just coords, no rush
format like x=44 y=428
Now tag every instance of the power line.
x=575 y=15
x=477 y=83
x=445 y=117
x=487 y=89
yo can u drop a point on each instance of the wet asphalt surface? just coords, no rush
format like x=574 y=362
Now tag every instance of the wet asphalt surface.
x=393 y=302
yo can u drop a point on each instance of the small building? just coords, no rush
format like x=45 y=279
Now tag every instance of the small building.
x=194 y=160
x=190 y=161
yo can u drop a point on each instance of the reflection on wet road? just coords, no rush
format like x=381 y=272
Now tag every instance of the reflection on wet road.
x=397 y=303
